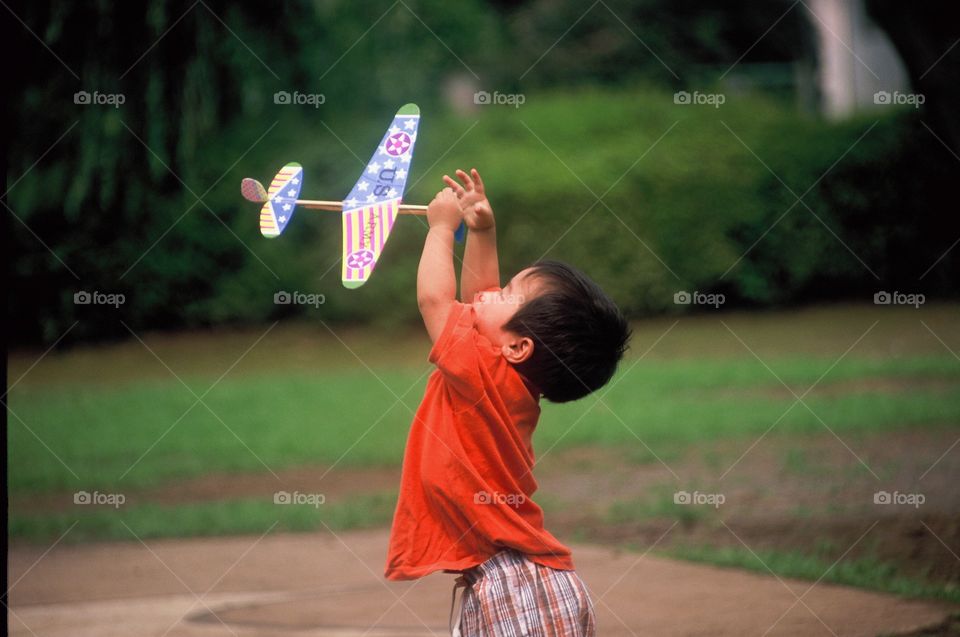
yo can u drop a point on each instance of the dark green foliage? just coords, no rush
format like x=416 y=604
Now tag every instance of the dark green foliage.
x=143 y=199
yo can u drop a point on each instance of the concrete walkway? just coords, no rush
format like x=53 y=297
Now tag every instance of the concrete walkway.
x=324 y=584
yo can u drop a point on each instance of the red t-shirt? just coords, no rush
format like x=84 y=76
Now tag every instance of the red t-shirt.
x=466 y=488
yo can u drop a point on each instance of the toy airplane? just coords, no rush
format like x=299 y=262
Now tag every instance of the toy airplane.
x=368 y=212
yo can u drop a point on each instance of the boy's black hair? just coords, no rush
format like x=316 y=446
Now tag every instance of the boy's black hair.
x=579 y=333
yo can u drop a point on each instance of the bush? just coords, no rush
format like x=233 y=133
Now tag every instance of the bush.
x=691 y=199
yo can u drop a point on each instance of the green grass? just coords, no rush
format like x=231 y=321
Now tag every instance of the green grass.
x=226 y=517
x=114 y=419
x=659 y=506
x=143 y=434
x=253 y=422
x=672 y=402
x=863 y=573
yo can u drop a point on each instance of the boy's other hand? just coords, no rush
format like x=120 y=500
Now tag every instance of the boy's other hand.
x=477 y=213
x=444 y=211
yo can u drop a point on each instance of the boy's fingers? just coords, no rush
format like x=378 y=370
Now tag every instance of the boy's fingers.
x=476 y=178
x=457 y=188
x=465 y=178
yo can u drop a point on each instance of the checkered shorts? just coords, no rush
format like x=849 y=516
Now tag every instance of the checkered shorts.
x=511 y=596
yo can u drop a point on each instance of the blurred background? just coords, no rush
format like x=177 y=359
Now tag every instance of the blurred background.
x=147 y=198
x=766 y=188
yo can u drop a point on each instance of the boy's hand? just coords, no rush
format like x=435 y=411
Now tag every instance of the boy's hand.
x=444 y=211
x=477 y=213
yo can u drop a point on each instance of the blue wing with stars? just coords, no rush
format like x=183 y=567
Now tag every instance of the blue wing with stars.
x=385 y=175
x=281 y=200
x=371 y=208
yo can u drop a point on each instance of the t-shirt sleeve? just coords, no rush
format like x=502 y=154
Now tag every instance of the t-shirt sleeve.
x=456 y=353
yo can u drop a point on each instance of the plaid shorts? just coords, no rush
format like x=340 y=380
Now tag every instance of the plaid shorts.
x=511 y=596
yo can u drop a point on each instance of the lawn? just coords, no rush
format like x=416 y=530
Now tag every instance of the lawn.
x=144 y=417
x=116 y=417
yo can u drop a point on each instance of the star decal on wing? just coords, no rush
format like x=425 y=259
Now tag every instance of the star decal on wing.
x=371 y=207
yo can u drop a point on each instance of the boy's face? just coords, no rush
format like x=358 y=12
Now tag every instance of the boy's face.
x=495 y=308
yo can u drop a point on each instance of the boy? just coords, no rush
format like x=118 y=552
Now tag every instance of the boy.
x=465 y=491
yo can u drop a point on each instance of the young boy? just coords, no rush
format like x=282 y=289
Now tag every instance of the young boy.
x=465 y=490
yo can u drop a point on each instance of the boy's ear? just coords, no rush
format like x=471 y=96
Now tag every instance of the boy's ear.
x=517 y=349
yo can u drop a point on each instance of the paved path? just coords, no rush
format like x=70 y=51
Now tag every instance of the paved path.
x=321 y=584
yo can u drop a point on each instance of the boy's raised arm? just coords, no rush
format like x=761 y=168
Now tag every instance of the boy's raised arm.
x=481 y=267
x=436 y=280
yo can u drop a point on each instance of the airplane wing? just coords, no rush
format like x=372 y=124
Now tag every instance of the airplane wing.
x=371 y=208
x=281 y=199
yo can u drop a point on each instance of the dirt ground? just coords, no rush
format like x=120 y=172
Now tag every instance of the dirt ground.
x=280 y=585
x=810 y=494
